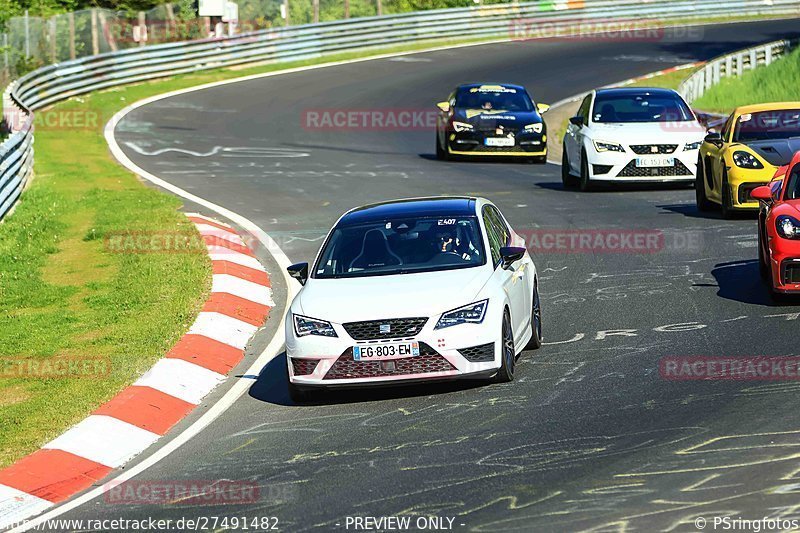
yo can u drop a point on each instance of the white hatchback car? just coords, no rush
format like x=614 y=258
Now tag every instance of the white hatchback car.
x=411 y=290
x=631 y=134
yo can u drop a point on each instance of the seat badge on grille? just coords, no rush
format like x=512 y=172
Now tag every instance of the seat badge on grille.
x=385 y=328
x=654 y=149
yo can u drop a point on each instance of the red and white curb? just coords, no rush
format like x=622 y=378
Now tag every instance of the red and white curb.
x=142 y=413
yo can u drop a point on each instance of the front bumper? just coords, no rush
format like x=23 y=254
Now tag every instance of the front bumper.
x=621 y=167
x=445 y=354
x=785 y=264
x=742 y=183
x=474 y=143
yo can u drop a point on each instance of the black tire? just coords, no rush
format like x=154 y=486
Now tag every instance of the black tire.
x=569 y=181
x=536 y=321
x=727 y=202
x=764 y=267
x=585 y=184
x=441 y=153
x=508 y=357
x=703 y=203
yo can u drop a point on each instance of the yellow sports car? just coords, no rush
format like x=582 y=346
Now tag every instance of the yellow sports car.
x=754 y=142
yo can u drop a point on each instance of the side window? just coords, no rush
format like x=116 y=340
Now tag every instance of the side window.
x=726 y=129
x=793 y=191
x=583 y=111
x=493 y=236
x=500 y=226
x=452 y=99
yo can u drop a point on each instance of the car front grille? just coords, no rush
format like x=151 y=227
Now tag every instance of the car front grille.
x=790 y=272
x=391 y=328
x=427 y=362
x=745 y=192
x=478 y=354
x=632 y=171
x=643 y=149
x=304 y=367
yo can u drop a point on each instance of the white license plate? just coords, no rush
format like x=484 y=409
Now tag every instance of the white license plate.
x=499 y=141
x=389 y=350
x=655 y=161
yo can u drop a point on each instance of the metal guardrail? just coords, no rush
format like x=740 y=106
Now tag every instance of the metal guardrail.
x=555 y=19
x=731 y=65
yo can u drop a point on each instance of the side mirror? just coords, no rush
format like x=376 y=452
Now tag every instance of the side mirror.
x=511 y=254
x=299 y=271
x=542 y=108
x=577 y=121
x=444 y=106
x=763 y=193
x=713 y=137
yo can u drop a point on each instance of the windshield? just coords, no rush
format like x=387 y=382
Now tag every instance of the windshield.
x=640 y=107
x=767 y=125
x=401 y=247
x=493 y=98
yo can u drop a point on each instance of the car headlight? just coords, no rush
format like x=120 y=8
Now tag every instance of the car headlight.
x=304 y=325
x=692 y=146
x=535 y=128
x=746 y=160
x=602 y=146
x=788 y=227
x=472 y=314
x=462 y=126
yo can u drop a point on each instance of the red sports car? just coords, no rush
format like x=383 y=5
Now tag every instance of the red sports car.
x=779 y=229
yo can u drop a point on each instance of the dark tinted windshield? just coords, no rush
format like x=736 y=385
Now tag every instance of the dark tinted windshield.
x=793 y=183
x=401 y=246
x=767 y=125
x=493 y=97
x=640 y=107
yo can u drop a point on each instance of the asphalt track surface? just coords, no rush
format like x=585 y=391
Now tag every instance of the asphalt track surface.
x=589 y=435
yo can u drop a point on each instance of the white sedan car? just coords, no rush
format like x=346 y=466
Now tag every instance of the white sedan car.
x=413 y=290
x=631 y=134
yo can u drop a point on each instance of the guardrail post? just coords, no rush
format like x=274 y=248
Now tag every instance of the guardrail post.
x=768 y=55
x=95 y=34
x=739 y=64
x=380 y=7
x=347 y=9
x=728 y=66
x=71 y=18
x=753 y=59
x=142 y=28
x=316 y=11
x=27 y=35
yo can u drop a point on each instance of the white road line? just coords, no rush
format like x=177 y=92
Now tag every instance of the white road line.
x=105 y=440
x=181 y=379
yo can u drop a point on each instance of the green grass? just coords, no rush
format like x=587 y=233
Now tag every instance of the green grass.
x=777 y=82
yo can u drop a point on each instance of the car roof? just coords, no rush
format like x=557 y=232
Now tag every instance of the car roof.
x=475 y=85
x=622 y=91
x=771 y=106
x=439 y=206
